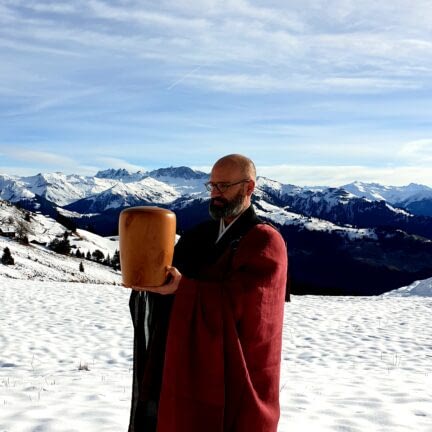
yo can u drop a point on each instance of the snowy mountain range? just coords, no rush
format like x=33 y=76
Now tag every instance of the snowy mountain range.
x=165 y=185
x=398 y=196
x=380 y=234
x=118 y=188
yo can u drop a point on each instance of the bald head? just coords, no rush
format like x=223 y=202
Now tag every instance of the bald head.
x=238 y=163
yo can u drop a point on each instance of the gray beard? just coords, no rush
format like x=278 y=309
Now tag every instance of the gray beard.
x=230 y=208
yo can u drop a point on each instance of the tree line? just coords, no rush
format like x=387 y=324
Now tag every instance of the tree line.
x=62 y=246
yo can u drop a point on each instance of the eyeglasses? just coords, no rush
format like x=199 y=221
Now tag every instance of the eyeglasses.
x=222 y=187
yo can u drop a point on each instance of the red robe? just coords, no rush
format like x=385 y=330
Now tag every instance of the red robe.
x=223 y=352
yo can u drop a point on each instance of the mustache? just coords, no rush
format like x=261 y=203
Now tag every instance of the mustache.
x=219 y=200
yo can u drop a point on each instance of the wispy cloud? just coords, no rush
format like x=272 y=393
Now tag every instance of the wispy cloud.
x=419 y=151
x=31 y=47
x=330 y=175
x=271 y=83
x=38 y=157
x=49 y=161
x=50 y=101
x=55 y=8
x=144 y=16
x=278 y=48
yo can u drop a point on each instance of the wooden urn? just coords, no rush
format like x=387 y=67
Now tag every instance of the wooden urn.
x=147 y=239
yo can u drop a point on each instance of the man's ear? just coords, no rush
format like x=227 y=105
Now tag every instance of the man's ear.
x=250 y=187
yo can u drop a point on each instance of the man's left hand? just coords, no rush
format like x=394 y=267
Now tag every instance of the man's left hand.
x=170 y=287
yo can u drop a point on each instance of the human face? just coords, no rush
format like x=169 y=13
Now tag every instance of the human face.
x=234 y=200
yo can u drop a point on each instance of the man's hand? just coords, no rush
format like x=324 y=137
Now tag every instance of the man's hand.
x=170 y=287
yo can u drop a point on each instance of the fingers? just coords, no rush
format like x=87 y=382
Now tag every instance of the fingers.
x=169 y=287
x=173 y=272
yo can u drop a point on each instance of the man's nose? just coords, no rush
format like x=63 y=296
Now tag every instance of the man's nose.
x=215 y=192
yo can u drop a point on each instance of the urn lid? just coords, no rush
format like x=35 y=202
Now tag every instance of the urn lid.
x=149 y=209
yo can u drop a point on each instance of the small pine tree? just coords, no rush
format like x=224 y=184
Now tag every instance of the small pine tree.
x=22 y=230
x=115 y=262
x=107 y=260
x=81 y=267
x=88 y=255
x=7 y=258
x=78 y=254
x=61 y=246
x=98 y=255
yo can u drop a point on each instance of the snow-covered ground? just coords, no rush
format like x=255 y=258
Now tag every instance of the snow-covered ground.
x=38 y=263
x=349 y=364
x=35 y=261
x=51 y=332
x=357 y=364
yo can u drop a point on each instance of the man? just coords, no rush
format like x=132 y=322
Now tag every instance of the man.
x=207 y=354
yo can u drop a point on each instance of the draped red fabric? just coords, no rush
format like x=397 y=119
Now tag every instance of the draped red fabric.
x=223 y=353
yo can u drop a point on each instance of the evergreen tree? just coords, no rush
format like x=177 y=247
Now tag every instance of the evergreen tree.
x=22 y=230
x=107 y=260
x=61 y=246
x=7 y=258
x=88 y=256
x=115 y=262
x=98 y=255
x=81 y=267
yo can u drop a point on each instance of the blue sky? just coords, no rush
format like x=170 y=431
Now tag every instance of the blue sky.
x=316 y=92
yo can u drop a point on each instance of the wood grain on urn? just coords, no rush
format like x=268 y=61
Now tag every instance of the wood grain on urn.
x=147 y=238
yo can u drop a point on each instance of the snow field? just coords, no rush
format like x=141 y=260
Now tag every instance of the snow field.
x=349 y=364
x=357 y=364
x=38 y=263
x=51 y=333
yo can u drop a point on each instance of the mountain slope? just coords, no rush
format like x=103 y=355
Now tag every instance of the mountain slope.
x=58 y=188
x=37 y=263
x=421 y=288
x=145 y=192
x=392 y=194
x=414 y=198
x=33 y=260
x=343 y=208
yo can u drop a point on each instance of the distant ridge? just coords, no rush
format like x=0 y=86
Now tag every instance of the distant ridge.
x=178 y=172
